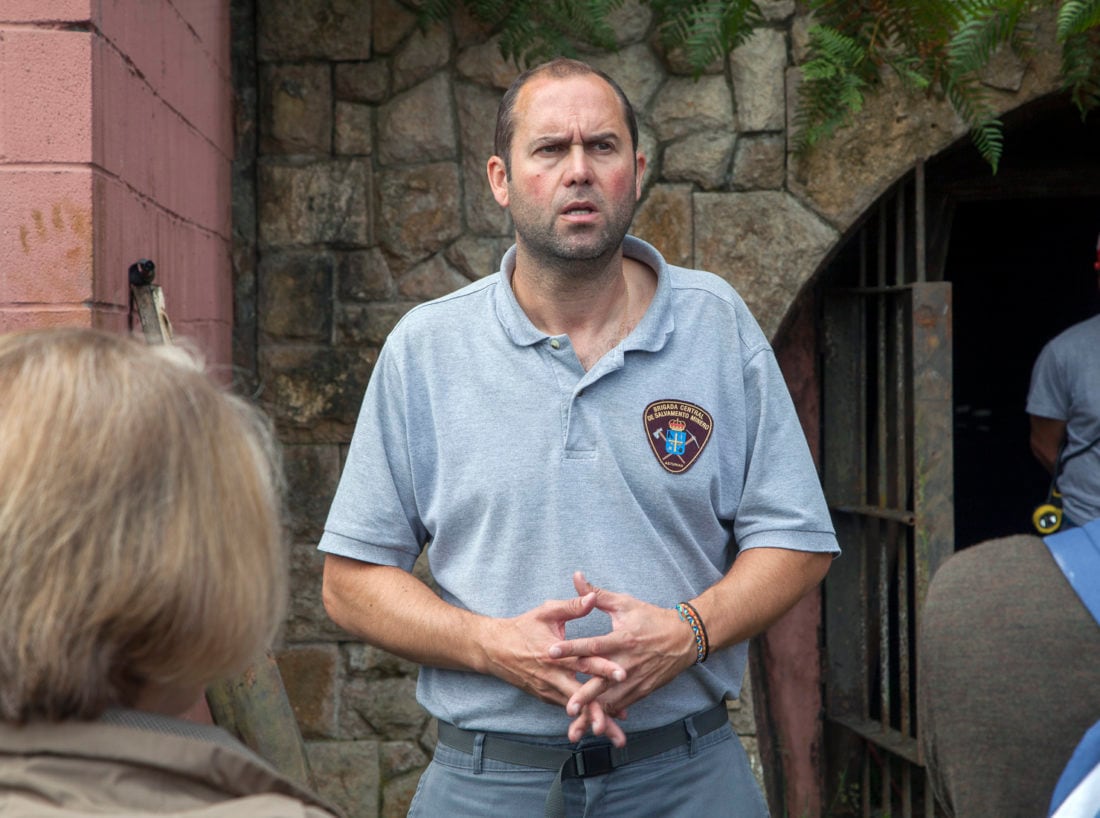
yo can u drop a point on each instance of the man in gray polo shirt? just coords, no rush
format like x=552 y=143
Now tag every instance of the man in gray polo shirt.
x=593 y=427
x=1064 y=404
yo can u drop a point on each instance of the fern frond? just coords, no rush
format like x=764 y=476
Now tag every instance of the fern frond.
x=834 y=81
x=970 y=102
x=836 y=47
x=705 y=30
x=434 y=11
x=976 y=40
x=1077 y=17
x=524 y=43
x=910 y=70
x=988 y=138
x=1081 y=70
x=582 y=20
x=531 y=31
x=815 y=124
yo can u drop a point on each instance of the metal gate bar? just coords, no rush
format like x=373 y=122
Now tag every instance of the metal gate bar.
x=887 y=465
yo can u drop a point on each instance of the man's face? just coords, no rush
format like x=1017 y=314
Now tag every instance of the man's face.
x=575 y=176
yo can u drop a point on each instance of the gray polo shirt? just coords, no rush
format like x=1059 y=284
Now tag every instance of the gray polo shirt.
x=485 y=437
x=1065 y=385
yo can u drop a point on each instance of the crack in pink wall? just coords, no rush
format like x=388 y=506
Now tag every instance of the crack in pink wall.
x=116 y=144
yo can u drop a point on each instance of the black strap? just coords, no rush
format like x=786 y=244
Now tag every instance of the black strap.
x=1063 y=460
x=1060 y=464
x=597 y=759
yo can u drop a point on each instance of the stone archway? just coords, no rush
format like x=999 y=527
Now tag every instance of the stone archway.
x=1002 y=243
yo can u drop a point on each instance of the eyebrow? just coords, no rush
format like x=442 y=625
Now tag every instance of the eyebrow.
x=606 y=136
x=557 y=139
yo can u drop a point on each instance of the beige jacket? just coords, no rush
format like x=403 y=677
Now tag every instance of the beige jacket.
x=138 y=764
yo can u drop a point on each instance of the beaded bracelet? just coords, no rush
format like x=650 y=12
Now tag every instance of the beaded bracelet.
x=702 y=643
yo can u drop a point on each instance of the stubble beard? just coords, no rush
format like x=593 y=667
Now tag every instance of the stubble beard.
x=577 y=252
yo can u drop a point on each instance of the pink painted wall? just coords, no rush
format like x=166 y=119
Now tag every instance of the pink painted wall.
x=116 y=144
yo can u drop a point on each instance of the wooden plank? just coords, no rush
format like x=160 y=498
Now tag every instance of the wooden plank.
x=934 y=482
x=253 y=706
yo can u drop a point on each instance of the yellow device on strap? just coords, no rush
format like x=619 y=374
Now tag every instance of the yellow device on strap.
x=1047 y=518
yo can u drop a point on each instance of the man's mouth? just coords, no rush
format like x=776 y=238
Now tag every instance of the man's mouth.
x=579 y=209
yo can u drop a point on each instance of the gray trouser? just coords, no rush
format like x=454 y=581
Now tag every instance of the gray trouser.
x=711 y=779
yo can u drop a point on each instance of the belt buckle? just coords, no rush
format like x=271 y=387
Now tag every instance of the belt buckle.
x=596 y=760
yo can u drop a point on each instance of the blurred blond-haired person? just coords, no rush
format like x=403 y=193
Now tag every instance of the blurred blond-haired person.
x=140 y=559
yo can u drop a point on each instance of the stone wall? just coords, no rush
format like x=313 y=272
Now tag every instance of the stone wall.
x=360 y=190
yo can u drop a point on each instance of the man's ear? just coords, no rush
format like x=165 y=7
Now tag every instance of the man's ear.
x=498 y=179
x=639 y=174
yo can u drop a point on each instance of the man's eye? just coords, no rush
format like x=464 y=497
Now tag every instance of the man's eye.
x=603 y=147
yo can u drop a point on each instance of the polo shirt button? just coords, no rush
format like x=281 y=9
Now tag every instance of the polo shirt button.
x=555 y=343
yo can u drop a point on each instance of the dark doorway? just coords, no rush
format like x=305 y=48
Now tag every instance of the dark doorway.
x=1019 y=250
x=1021 y=272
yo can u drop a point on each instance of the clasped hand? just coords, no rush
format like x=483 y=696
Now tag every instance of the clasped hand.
x=647 y=647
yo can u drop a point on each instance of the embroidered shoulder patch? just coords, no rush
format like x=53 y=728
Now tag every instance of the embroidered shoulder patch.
x=677 y=432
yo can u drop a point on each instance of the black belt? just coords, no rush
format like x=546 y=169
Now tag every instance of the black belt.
x=597 y=759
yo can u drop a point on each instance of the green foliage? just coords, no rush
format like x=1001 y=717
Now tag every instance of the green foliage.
x=833 y=83
x=935 y=46
x=532 y=31
x=1077 y=17
x=535 y=30
x=1081 y=69
x=943 y=47
x=1079 y=33
x=986 y=131
x=850 y=46
x=984 y=28
x=705 y=30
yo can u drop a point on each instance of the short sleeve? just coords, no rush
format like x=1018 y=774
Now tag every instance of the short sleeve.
x=374 y=516
x=1048 y=395
x=782 y=504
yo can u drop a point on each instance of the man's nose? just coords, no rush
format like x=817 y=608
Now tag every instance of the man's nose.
x=579 y=168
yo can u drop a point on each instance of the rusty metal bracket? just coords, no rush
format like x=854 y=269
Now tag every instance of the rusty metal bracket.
x=148 y=299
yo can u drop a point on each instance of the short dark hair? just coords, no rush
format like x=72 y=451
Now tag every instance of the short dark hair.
x=559 y=68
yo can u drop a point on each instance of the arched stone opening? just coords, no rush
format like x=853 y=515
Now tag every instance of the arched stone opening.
x=1014 y=252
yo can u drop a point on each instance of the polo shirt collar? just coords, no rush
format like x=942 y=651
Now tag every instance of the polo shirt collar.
x=652 y=331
